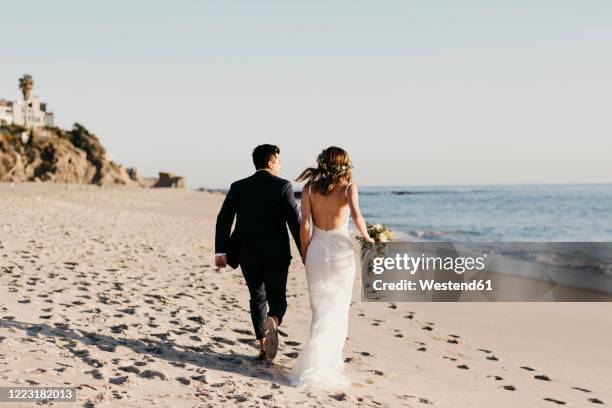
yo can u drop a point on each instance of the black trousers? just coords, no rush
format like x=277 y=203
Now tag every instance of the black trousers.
x=267 y=282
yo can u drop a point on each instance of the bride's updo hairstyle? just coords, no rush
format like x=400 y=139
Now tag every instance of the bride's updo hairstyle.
x=333 y=167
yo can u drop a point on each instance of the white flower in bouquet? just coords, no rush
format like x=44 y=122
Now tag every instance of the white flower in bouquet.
x=379 y=233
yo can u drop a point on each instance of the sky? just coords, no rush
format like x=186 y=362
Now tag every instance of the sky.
x=418 y=92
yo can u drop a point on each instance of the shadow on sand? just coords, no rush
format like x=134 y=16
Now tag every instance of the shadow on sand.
x=176 y=354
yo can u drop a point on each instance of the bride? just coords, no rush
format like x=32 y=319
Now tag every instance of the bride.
x=327 y=253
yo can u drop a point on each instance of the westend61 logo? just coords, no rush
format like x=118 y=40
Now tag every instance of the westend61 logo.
x=484 y=272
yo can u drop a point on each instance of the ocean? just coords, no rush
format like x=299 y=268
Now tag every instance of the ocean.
x=580 y=214
x=534 y=213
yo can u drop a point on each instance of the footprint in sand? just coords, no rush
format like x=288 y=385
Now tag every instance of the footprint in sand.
x=542 y=377
x=509 y=387
x=95 y=373
x=80 y=353
x=420 y=399
x=107 y=347
x=183 y=380
x=463 y=367
x=223 y=340
x=119 y=329
x=243 y=331
x=128 y=310
x=341 y=396
x=556 y=401
x=200 y=378
x=118 y=380
x=595 y=401
x=527 y=368
x=496 y=377
x=197 y=319
x=130 y=369
x=153 y=374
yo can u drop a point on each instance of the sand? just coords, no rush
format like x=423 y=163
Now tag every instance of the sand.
x=114 y=291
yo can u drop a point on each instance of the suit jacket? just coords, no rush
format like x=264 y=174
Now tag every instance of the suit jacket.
x=263 y=205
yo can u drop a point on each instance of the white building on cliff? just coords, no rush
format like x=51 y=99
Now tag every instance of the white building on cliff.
x=12 y=113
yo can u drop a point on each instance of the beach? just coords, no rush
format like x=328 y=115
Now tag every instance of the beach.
x=113 y=290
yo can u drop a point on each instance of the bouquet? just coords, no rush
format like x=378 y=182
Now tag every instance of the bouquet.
x=379 y=233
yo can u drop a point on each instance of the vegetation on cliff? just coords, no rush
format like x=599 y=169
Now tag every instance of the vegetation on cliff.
x=54 y=154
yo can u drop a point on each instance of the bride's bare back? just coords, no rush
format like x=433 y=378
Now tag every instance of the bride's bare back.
x=330 y=212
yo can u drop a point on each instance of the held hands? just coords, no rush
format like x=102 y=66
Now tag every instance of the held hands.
x=221 y=261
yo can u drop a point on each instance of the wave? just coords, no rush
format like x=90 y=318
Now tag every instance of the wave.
x=584 y=257
x=427 y=192
x=418 y=192
x=365 y=192
x=450 y=235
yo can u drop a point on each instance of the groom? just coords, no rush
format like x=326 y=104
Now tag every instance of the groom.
x=263 y=205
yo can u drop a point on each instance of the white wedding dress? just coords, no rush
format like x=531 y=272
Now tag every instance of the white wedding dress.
x=330 y=273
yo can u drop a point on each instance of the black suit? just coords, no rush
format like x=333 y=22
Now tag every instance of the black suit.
x=263 y=206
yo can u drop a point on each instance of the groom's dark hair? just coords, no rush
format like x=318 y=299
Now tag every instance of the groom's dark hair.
x=262 y=155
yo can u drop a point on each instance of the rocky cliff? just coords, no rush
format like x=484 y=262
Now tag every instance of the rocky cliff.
x=64 y=156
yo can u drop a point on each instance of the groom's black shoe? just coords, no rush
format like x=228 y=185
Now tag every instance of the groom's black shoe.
x=271 y=341
x=261 y=356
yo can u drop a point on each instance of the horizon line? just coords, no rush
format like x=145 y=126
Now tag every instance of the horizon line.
x=535 y=184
